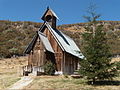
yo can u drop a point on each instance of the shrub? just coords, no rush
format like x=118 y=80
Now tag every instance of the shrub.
x=49 y=68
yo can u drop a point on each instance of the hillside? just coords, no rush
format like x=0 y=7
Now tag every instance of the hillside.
x=15 y=36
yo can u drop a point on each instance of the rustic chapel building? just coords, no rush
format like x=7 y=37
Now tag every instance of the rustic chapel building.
x=51 y=44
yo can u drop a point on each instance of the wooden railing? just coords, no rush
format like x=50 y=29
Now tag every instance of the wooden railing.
x=32 y=69
x=38 y=69
x=27 y=68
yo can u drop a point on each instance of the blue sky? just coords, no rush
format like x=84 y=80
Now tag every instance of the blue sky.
x=69 y=11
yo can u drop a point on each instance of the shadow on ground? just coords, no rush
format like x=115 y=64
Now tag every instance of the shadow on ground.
x=117 y=83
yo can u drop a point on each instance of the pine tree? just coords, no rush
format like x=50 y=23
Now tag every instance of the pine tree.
x=97 y=63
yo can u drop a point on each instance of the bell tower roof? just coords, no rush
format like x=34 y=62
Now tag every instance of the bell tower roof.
x=49 y=11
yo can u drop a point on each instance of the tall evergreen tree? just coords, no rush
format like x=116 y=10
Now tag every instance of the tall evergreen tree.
x=97 y=63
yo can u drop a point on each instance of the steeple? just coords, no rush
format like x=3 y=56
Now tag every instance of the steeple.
x=50 y=17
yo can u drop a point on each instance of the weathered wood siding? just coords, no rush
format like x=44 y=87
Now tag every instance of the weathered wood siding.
x=37 y=56
x=70 y=64
x=65 y=62
x=58 y=51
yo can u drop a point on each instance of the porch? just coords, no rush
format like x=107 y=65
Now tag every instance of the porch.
x=34 y=70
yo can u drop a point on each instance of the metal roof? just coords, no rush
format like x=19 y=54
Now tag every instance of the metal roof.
x=45 y=42
x=65 y=42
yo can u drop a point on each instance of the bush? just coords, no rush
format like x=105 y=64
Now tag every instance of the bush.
x=49 y=68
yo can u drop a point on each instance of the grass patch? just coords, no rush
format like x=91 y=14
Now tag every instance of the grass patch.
x=72 y=81
x=79 y=81
x=60 y=82
x=7 y=81
x=56 y=82
x=9 y=71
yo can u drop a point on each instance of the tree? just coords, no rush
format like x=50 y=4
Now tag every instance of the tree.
x=97 y=63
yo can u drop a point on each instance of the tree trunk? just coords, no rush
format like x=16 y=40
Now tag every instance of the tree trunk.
x=93 y=80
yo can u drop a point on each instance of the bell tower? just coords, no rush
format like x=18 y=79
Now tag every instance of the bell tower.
x=50 y=17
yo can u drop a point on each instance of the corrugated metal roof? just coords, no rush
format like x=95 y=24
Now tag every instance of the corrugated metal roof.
x=66 y=42
x=45 y=42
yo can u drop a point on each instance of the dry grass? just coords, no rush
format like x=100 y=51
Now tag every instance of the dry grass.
x=10 y=71
x=117 y=59
x=61 y=83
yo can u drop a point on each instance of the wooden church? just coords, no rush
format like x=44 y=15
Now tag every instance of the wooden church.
x=51 y=44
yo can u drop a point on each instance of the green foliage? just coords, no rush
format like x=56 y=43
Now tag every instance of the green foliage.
x=118 y=65
x=97 y=63
x=49 y=68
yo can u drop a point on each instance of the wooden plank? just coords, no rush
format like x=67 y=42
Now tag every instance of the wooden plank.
x=56 y=48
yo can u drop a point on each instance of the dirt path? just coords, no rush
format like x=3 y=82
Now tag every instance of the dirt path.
x=22 y=83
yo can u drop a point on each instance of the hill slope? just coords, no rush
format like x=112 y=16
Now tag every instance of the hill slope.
x=15 y=36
